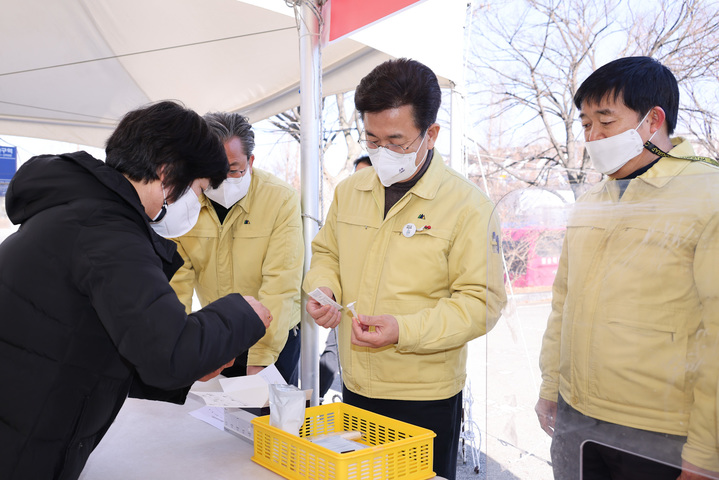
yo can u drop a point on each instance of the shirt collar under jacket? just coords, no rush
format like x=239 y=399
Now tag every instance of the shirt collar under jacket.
x=426 y=187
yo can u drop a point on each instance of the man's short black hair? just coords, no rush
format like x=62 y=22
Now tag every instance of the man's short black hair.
x=363 y=159
x=230 y=125
x=167 y=137
x=400 y=82
x=641 y=83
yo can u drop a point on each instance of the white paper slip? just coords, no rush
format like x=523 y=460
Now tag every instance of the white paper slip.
x=272 y=375
x=250 y=398
x=320 y=296
x=339 y=444
x=250 y=391
x=214 y=416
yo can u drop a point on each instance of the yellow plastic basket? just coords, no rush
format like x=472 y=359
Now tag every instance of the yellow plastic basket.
x=398 y=450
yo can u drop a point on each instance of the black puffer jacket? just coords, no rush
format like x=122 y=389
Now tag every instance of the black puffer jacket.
x=86 y=310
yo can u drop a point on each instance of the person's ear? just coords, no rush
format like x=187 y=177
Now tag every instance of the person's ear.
x=161 y=173
x=251 y=161
x=656 y=119
x=432 y=133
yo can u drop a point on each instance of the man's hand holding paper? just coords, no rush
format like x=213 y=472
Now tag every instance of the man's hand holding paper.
x=323 y=309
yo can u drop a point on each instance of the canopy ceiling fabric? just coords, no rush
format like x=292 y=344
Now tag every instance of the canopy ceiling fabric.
x=69 y=70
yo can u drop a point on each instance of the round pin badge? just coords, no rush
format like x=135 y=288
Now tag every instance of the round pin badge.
x=409 y=230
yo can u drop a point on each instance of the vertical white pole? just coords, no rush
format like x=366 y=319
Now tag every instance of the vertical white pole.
x=456 y=131
x=310 y=108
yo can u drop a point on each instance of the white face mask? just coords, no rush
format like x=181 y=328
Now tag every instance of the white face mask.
x=231 y=191
x=180 y=217
x=393 y=167
x=612 y=153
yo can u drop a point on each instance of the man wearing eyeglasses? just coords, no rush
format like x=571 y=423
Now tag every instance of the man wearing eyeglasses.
x=248 y=238
x=414 y=244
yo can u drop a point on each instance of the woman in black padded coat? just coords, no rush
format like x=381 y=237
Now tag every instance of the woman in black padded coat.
x=87 y=315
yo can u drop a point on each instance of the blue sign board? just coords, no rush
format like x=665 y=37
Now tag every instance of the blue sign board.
x=8 y=163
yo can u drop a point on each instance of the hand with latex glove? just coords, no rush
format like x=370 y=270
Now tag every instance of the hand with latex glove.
x=325 y=316
x=385 y=331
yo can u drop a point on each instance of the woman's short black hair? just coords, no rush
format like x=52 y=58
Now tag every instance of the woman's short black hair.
x=642 y=83
x=400 y=82
x=167 y=137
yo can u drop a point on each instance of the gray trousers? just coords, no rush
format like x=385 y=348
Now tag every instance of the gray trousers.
x=584 y=448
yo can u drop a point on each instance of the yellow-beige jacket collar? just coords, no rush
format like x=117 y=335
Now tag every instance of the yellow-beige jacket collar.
x=666 y=168
x=426 y=187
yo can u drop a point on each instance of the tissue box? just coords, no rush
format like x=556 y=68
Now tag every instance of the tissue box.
x=238 y=422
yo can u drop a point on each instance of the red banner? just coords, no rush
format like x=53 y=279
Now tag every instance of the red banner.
x=346 y=16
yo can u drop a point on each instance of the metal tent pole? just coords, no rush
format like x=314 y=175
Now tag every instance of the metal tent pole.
x=310 y=108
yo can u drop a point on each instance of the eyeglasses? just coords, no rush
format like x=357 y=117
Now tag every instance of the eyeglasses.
x=370 y=145
x=237 y=173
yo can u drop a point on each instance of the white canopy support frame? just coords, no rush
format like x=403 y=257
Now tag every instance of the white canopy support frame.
x=310 y=24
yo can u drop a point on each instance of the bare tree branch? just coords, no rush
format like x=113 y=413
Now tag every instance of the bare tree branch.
x=529 y=64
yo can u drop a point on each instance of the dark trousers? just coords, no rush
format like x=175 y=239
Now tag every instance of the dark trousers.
x=444 y=417
x=589 y=449
x=329 y=363
x=287 y=363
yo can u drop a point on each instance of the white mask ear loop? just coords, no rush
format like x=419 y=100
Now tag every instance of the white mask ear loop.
x=644 y=118
x=640 y=124
x=163 y=210
x=650 y=138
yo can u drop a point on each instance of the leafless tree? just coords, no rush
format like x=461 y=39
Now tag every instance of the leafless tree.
x=684 y=37
x=340 y=124
x=703 y=121
x=533 y=62
x=530 y=61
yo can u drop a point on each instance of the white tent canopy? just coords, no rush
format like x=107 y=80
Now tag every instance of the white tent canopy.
x=69 y=70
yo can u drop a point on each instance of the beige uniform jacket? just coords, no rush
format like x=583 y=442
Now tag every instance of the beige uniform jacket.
x=632 y=337
x=443 y=283
x=257 y=251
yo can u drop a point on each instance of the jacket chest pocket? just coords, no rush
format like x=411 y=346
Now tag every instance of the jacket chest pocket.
x=200 y=245
x=356 y=232
x=202 y=233
x=585 y=237
x=420 y=257
x=249 y=231
x=669 y=247
x=586 y=229
x=250 y=244
x=354 y=236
